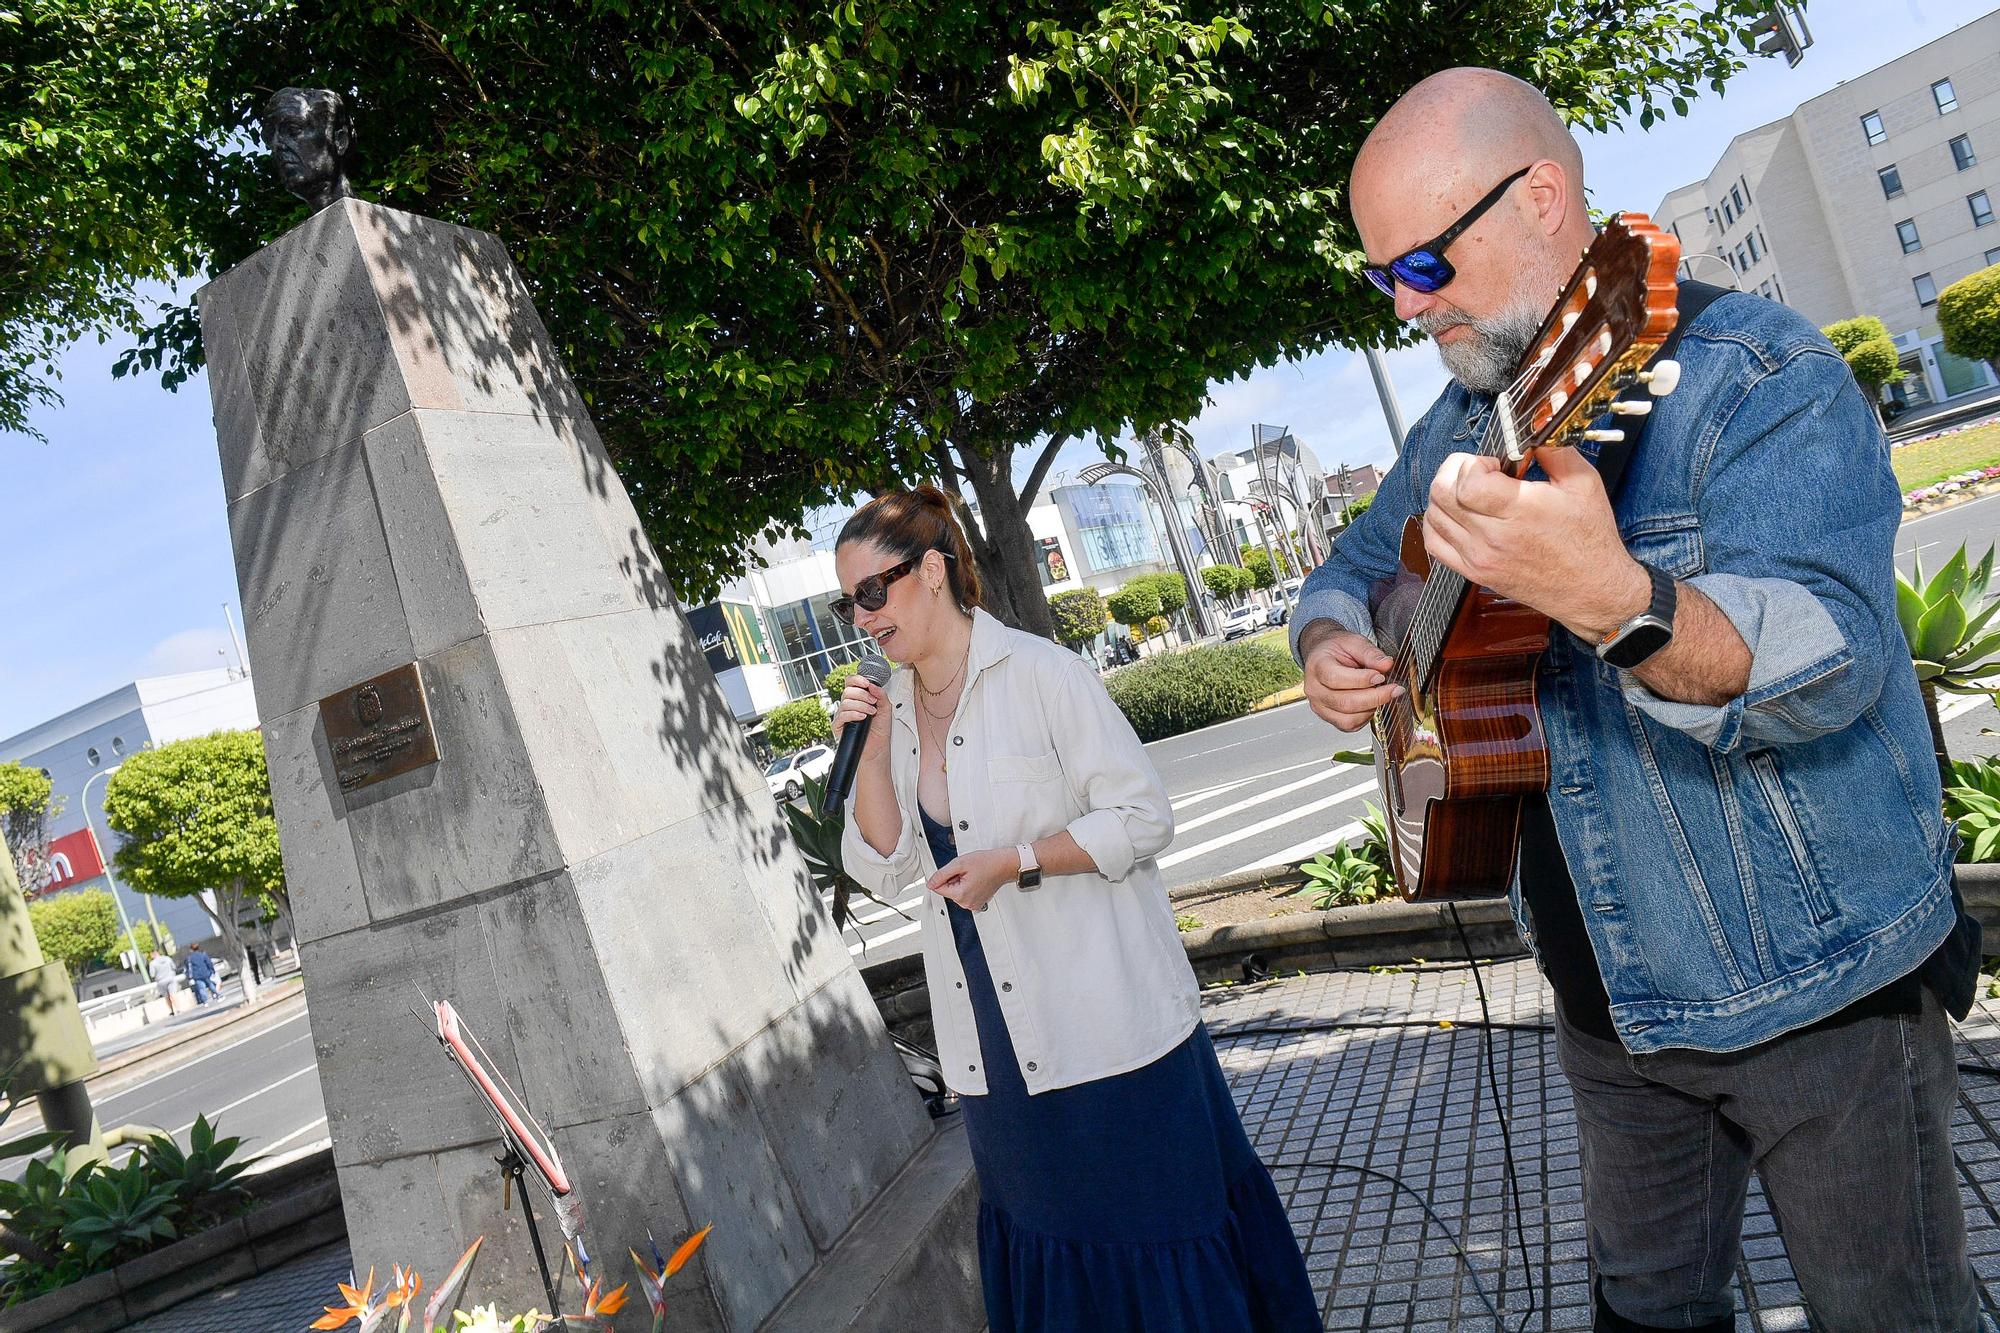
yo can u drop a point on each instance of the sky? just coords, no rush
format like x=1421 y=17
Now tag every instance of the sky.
x=125 y=560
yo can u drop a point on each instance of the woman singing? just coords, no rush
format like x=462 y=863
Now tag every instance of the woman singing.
x=1118 y=1190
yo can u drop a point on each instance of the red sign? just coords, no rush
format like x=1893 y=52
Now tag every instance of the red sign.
x=73 y=858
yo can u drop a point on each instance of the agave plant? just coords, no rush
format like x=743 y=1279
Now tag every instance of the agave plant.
x=1348 y=874
x=1972 y=798
x=818 y=831
x=1948 y=621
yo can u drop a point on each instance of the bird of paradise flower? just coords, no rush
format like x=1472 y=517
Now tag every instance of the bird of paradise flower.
x=373 y=1312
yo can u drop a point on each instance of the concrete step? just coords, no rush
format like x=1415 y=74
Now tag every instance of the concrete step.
x=909 y=1263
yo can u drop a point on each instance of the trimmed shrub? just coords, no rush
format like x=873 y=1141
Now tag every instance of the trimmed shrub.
x=795 y=725
x=836 y=680
x=1176 y=692
x=1968 y=312
x=1079 y=615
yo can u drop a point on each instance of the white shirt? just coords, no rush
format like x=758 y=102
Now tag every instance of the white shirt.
x=162 y=968
x=1089 y=969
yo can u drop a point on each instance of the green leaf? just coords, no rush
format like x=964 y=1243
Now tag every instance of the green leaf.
x=1938 y=633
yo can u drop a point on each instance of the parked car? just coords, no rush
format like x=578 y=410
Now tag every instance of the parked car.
x=1278 y=615
x=1243 y=620
x=786 y=777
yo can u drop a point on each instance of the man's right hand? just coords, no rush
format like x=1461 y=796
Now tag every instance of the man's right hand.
x=1345 y=675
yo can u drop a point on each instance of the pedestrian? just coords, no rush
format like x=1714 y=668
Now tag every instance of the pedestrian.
x=201 y=975
x=1118 y=1190
x=1739 y=881
x=161 y=970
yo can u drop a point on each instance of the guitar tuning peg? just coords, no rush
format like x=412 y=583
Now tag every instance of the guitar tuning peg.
x=1662 y=379
x=1638 y=407
x=1604 y=436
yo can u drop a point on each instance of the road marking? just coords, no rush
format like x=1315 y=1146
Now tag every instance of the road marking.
x=214 y=1115
x=1291 y=856
x=1201 y=794
x=1962 y=705
x=896 y=934
x=885 y=913
x=303 y=1129
x=1266 y=825
x=1250 y=802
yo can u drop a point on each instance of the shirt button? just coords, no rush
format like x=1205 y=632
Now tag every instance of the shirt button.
x=958 y=740
x=1007 y=985
x=962 y=826
x=1032 y=1066
x=972 y=1069
x=961 y=985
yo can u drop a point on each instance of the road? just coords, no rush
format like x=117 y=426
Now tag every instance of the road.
x=1257 y=791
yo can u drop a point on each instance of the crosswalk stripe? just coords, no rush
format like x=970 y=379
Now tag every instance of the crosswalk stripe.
x=1261 y=798
x=887 y=935
x=1291 y=856
x=1265 y=825
x=1223 y=789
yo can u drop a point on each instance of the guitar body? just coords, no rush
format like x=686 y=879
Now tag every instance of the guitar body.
x=1455 y=761
x=1462 y=748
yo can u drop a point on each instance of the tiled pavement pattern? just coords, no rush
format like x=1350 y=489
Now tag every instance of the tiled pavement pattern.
x=1410 y=1102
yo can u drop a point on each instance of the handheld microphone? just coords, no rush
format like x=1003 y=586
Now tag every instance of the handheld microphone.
x=840 y=778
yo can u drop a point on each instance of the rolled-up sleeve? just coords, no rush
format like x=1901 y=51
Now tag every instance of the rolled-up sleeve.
x=1799 y=511
x=1127 y=816
x=869 y=868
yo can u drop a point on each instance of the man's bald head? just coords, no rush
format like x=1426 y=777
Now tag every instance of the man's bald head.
x=1436 y=152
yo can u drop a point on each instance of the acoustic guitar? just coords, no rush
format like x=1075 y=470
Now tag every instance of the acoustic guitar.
x=1462 y=747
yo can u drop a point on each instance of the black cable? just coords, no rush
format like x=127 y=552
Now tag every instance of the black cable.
x=1465 y=1260
x=1506 y=1131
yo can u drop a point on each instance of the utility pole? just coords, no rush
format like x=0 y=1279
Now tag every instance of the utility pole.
x=1392 y=411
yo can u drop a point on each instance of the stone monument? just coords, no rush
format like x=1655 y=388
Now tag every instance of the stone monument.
x=503 y=776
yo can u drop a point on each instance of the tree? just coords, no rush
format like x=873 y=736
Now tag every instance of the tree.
x=145 y=938
x=1227 y=582
x=1870 y=352
x=196 y=815
x=1258 y=561
x=1968 y=312
x=75 y=929
x=1135 y=605
x=795 y=725
x=1359 y=506
x=1078 y=615
x=794 y=251
x=836 y=680
x=25 y=807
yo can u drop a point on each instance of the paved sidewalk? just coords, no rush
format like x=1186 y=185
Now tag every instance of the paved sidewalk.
x=1409 y=1102
x=1401 y=1101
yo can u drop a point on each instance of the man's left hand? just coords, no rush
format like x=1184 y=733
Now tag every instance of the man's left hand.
x=971 y=880
x=1552 y=545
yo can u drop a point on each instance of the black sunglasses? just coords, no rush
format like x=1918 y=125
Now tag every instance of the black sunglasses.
x=872 y=593
x=1425 y=269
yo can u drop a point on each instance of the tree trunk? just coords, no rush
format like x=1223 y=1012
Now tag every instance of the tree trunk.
x=1929 y=690
x=1005 y=547
x=231 y=900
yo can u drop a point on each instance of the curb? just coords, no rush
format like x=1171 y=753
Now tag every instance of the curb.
x=1289 y=695
x=1976 y=491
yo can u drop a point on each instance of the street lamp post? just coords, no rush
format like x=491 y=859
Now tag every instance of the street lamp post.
x=105 y=861
x=1176 y=539
x=1688 y=261
x=1385 y=389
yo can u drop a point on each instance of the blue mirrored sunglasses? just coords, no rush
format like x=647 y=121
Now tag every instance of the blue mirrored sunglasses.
x=1424 y=268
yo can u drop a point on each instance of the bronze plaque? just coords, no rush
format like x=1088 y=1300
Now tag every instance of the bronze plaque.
x=379 y=728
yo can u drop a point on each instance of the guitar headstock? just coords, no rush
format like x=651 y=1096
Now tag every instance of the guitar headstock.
x=1615 y=313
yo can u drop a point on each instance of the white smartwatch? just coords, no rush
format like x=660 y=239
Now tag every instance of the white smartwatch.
x=1031 y=869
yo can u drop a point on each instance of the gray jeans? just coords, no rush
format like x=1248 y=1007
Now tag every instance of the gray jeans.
x=1850 y=1130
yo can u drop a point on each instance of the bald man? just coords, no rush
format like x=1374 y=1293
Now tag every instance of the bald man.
x=1738 y=883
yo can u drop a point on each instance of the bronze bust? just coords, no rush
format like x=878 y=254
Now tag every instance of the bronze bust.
x=310 y=133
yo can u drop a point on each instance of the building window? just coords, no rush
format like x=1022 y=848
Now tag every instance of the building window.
x=1906 y=232
x=1961 y=152
x=1946 y=99
x=118 y=745
x=1926 y=289
x=1743 y=257
x=1992 y=258
x=1982 y=208
x=1777 y=288
x=1756 y=252
x=1736 y=197
x=1710 y=213
x=93 y=756
x=1892 y=181
x=1871 y=126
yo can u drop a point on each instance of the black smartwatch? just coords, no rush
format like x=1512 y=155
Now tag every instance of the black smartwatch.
x=1645 y=634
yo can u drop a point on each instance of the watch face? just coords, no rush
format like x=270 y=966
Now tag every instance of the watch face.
x=1644 y=639
x=1031 y=879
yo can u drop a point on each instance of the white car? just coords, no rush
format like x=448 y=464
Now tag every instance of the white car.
x=786 y=777
x=1243 y=620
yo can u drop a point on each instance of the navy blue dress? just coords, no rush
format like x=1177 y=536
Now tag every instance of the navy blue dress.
x=1130 y=1204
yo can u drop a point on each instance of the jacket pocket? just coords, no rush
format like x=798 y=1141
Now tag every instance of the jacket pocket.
x=1670 y=543
x=1024 y=768
x=1764 y=765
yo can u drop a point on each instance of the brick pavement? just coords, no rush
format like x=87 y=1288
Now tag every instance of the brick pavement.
x=1401 y=1101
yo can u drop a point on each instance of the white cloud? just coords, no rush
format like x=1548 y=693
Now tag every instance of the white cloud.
x=199 y=649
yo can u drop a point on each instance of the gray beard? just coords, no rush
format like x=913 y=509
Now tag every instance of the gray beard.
x=1486 y=362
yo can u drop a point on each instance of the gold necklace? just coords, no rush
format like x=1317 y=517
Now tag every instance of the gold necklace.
x=937 y=742
x=939 y=694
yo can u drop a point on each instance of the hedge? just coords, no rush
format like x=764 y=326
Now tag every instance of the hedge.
x=1177 y=692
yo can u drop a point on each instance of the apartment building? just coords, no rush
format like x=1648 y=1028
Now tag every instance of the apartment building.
x=1869 y=199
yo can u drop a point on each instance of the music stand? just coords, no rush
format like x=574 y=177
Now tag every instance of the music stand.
x=526 y=1142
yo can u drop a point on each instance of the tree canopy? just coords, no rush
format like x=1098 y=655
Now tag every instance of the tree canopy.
x=792 y=251
x=75 y=929
x=24 y=817
x=1968 y=313
x=795 y=725
x=1078 y=615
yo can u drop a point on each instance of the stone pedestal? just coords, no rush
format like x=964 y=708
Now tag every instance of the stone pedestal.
x=592 y=871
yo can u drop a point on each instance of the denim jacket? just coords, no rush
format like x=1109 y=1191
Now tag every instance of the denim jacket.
x=1749 y=868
